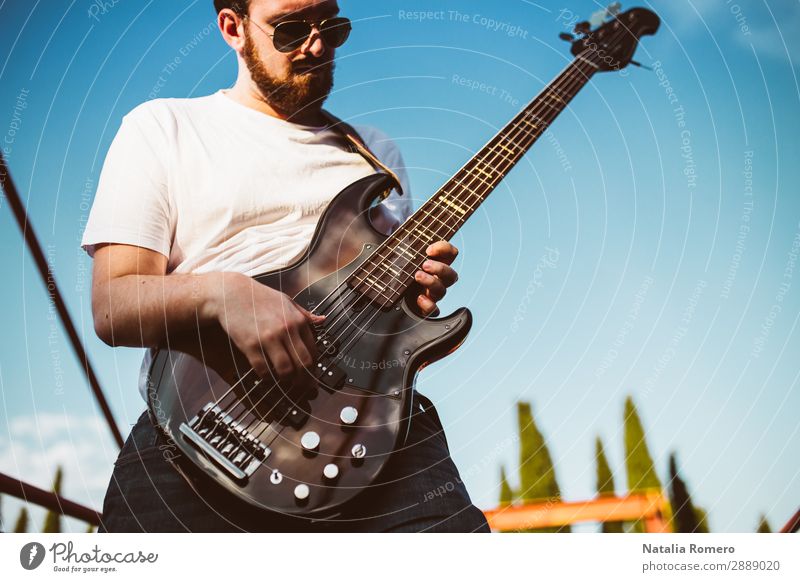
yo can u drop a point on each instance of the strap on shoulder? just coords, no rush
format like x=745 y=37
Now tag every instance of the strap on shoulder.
x=359 y=146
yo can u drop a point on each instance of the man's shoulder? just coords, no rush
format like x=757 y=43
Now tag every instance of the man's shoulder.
x=371 y=134
x=377 y=140
x=168 y=110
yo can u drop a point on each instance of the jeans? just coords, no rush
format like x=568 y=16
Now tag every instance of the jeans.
x=419 y=490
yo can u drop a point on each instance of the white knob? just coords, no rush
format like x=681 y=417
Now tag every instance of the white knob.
x=348 y=415
x=275 y=477
x=358 y=450
x=310 y=440
x=331 y=471
x=301 y=492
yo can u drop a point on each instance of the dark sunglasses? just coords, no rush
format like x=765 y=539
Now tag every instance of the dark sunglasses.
x=290 y=35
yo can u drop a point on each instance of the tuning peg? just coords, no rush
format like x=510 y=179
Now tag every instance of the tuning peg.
x=583 y=27
x=565 y=36
x=613 y=9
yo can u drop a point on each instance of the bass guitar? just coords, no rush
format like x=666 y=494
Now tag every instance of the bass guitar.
x=310 y=447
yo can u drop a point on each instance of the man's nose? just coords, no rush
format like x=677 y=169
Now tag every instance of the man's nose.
x=314 y=44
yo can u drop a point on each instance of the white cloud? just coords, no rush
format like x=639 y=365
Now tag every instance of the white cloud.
x=36 y=445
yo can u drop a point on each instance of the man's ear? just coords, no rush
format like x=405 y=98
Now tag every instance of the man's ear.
x=231 y=26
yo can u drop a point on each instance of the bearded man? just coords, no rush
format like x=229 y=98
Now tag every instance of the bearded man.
x=199 y=195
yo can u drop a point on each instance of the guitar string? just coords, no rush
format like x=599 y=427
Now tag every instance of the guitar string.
x=413 y=234
x=517 y=128
x=514 y=127
x=564 y=85
x=420 y=228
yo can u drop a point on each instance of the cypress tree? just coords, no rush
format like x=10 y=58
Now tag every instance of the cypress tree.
x=52 y=522
x=22 y=521
x=638 y=462
x=605 y=484
x=686 y=518
x=641 y=471
x=506 y=494
x=702 y=519
x=763 y=525
x=537 y=476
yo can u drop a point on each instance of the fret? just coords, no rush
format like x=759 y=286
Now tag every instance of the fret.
x=436 y=218
x=465 y=191
x=427 y=235
x=427 y=232
x=505 y=157
x=510 y=140
x=553 y=107
x=448 y=215
x=445 y=193
x=393 y=270
x=560 y=93
x=379 y=266
x=404 y=250
x=375 y=284
x=396 y=279
x=372 y=287
x=477 y=178
x=454 y=206
x=529 y=122
x=585 y=60
x=505 y=147
x=485 y=171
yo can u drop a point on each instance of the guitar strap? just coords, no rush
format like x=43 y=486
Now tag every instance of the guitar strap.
x=357 y=145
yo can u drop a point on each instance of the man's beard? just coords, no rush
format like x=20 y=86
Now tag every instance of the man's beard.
x=298 y=92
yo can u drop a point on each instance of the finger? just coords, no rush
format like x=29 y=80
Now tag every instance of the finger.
x=434 y=286
x=427 y=305
x=281 y=362
x=308 y=335
x=259 y=362
x=312 y=317
x=442 y=251
x=446 y=273
x=298 y=350
x=309 y=339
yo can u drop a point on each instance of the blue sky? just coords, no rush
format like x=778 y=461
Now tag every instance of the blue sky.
x=646 y=246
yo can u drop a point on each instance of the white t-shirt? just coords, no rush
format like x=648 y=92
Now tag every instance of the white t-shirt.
x=216 y=186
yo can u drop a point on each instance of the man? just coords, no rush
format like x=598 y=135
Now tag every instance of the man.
x=197 y=196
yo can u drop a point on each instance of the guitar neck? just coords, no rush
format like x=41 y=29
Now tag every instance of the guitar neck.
x=387 y=274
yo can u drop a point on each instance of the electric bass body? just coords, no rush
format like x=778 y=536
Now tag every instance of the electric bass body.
x=312 y=446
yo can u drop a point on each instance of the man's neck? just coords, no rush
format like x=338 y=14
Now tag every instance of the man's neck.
x=252 y=98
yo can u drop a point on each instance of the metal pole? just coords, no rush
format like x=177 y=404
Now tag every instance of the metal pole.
x=55 y=294
x=47 y=499
x=793 y=525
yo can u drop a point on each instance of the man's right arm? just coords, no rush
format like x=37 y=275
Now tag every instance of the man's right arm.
x=136 y=303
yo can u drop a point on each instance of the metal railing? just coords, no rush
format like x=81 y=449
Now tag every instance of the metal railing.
x=10 y=485
x=652 y=507
x=47 y=499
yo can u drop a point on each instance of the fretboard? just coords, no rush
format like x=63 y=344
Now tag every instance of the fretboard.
x=388 y=273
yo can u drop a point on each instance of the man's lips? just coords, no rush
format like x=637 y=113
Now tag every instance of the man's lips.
x=310 y=68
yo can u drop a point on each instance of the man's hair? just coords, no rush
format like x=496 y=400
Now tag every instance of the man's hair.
x=240 y=7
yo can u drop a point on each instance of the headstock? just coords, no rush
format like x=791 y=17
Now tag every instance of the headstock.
x=611 y=45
